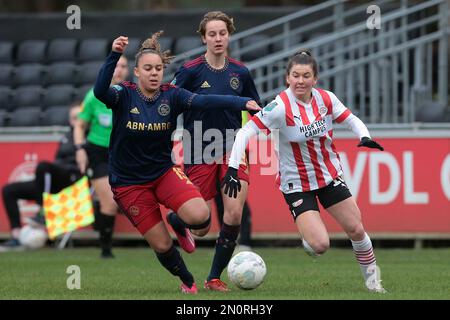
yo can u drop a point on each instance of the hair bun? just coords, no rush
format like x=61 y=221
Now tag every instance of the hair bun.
x=306 y=52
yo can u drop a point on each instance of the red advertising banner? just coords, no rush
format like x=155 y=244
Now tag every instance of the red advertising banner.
x=405 y=189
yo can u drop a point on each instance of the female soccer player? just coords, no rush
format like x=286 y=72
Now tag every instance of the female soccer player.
x=215 y=73
x=92 y=155
x=141 y=171
x=309 y=163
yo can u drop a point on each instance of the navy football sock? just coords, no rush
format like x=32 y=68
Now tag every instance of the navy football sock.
x=106 y=231
x=224 y=249
x=177 y=224
x=172 y=261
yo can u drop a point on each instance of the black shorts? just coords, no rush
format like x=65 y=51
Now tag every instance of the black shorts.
x=333 y=193
x=98 y=161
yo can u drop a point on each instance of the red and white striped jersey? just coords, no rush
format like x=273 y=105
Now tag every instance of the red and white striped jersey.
x=308 y=159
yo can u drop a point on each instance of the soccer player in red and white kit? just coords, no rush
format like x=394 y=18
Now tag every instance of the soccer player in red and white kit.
x=141 y=171
x=309 y=165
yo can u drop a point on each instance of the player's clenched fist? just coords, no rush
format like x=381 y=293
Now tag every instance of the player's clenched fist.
x=120 y=44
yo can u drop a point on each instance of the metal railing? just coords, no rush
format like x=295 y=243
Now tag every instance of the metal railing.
x=383 y=75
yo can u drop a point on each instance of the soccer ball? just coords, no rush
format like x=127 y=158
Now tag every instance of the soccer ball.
x=246 y=270
x=32 y=238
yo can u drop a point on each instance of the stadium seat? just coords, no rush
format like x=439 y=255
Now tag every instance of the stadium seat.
x=166 y=43
x=81 y=92
x=56 y=116
x=61 y=73
x=187 y=43
x=25 y=117
x=6 y=52
x=27 y=96
x=87 y=72
x=133 y=46
x=93 y=50
x=431 y=111
x=61 y=50
x=59 y=94
x=3 y=118
x=28 y=74
x=6 y=74
x=31 y=51
x=258 y=52
x=5 y=97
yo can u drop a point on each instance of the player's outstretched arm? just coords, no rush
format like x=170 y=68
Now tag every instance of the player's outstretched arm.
x=102 y=91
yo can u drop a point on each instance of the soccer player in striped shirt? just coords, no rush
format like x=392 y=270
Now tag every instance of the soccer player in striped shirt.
x=216 y=73
x=309 y=164
x=142 y=174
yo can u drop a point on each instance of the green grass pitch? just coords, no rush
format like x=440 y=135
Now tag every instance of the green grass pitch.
x=292 y=275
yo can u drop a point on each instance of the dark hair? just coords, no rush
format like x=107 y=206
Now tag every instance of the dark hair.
x=303 y=56
x=216 y=15
x=151 y=45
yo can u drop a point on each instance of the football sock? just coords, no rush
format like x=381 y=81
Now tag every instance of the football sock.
x=224 y=249
x=177 y=224
x=106 y=227
x=364 y=254
x=172 y=261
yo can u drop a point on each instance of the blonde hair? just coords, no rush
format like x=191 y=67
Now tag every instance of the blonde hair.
x=152 y=45
x=216 y=15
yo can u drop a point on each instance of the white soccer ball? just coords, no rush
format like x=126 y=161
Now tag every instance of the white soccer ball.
x=32 y=238
x=246 y=270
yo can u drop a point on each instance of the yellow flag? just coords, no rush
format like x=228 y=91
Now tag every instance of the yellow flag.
x=69 y=209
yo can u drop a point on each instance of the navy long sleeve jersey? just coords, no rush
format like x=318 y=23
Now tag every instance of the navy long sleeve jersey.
x=199 y=77
x=141 y=139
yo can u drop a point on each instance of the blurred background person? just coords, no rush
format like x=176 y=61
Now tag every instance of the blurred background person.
x=62 y=172
x=92 y=155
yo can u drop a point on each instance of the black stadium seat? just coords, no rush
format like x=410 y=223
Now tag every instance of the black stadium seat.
x=93 y=50
x=5 y=97
x=6 y=52
x=27 y=96
x=3 y=118
x=56 y=116
x=187 y=43
x=61 y=50
x=133 y=46
x=31 y=51
x=6 y=74
x=87 y=72
x=25 y=117
x=59 y=94
x=82 y=91
x=28 y=74
x=259 y=52
x=61 y=73
x=166 y=43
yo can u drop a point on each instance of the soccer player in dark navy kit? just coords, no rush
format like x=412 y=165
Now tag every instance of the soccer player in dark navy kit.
x=216 y=73
x=141 y=171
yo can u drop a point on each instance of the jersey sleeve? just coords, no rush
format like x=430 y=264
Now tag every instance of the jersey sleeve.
x=110 y=96
x=339 y=111
x=181 y=78
x=270 y=117
x=343 y=115
x=86 y=112
x=186 y=100
x=249 y=90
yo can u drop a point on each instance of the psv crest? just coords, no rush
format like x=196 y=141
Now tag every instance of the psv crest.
x=323 y=111
x=234 y=83
x=164 y=109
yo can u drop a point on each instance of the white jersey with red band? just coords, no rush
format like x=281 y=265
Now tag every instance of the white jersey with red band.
x=308 y=159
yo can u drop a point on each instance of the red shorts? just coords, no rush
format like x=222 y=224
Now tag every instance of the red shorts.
x=204 y=176
x=140 y=203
